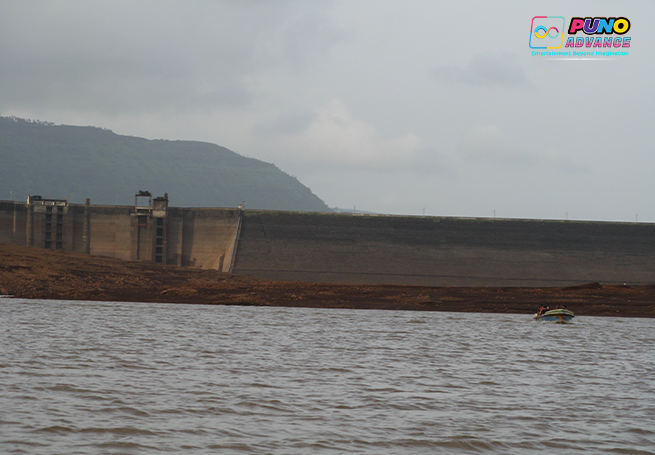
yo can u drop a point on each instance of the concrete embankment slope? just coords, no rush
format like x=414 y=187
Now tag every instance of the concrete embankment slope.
x=435 y=251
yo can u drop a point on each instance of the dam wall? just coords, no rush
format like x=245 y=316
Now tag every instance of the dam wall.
x=195 y=237
x=341 y=248
x=440 y=251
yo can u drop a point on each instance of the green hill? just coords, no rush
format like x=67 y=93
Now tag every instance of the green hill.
x=73 y=162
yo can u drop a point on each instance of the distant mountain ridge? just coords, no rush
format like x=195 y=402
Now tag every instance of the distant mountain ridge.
x=75 y=162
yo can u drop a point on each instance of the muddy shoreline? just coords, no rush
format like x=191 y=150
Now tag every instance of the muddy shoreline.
x=41 y=274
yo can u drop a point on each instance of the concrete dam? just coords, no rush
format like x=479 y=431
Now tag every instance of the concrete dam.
x=440 y=251
x=341 y=248
x=148 y=231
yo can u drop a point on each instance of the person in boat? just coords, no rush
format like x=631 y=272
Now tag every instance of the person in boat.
x=542 y=310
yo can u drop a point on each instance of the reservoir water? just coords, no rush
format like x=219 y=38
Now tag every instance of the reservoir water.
x=130 y=378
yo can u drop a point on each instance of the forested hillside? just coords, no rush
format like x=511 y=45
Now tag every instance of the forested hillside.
x=73 y=162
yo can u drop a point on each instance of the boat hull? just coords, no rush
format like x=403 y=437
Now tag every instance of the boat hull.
x=558 y=316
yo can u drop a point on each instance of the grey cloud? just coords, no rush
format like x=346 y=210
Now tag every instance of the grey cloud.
x=301 y=39
x=143 y=57
x=289 y=124
x=484 y=71
x=488 y=146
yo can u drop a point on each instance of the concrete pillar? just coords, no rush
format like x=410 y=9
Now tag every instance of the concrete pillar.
x=159 y=229
x=180 y=239
x=29 y=226
x=86 y=227
x=134 y=237
x=68 y=226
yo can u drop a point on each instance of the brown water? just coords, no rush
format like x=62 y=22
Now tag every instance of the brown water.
x=119 y=378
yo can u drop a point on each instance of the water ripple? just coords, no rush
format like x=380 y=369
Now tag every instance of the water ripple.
x=96 y=378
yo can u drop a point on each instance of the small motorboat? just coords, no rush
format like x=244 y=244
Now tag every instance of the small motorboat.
x=559 y=315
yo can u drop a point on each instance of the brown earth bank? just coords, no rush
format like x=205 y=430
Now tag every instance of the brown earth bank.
x=34 y=273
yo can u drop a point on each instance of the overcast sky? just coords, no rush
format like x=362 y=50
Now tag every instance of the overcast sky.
x=387 y=105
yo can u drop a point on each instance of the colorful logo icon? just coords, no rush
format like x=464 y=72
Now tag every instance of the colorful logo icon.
x=547 y=32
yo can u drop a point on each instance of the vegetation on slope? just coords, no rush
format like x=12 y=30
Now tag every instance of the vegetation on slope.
x=73 y=162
